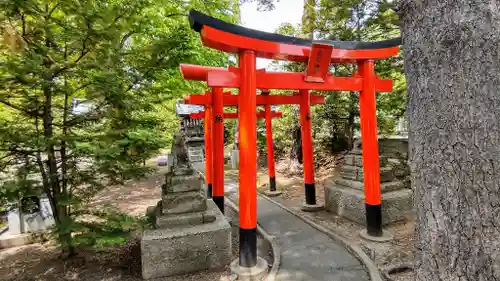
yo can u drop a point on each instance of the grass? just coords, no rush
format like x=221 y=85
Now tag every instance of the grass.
x=109 y=227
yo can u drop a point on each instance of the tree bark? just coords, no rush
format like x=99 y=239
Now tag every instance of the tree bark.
x=452 y=66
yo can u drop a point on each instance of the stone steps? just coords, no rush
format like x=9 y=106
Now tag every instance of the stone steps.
x=357 y=160
x=357 y=173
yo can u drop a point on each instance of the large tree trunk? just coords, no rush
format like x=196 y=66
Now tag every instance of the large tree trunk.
x=452 y=65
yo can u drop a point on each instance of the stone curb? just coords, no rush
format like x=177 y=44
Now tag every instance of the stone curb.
x=354 y=249
x=271 y=239
x=16 y=240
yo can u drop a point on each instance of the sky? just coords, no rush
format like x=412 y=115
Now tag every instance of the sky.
x=285 y=11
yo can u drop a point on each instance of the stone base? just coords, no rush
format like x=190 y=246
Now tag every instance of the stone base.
x=312 y=208
x=250 y=273
x=272 y=193
x=184 y=202
x=386 y=236
x=185 y=249
x=182 y=219
x=350 y=203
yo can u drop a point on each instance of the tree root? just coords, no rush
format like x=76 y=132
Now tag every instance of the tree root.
x=398 y=268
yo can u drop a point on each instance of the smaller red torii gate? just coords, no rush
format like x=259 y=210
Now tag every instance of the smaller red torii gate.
x=214 y=134
x=209 y=165
x=234 y=115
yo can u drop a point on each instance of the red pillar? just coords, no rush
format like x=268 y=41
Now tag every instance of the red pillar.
x=208 y=149
x=307 y=147
x=369 y=143
x=248 y=160
x=270 y=146
x=218 y=148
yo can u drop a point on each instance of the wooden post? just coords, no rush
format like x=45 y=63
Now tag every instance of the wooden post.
x=218 y=146
x=247 y=109
x=208 y=149
x=270 y=146
x=307 y=147
x=369 y=143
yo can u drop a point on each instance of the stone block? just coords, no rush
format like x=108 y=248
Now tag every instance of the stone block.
x=357 y=174
x=391 y=147
x=386 y=174
x=349 y=160
x=385 y=186
x=166 y=221
x=357 y=160
x=196 y=159
x=350 y=172
x=184 y=202
x=350 y=203
x=178 y=250
x=183 y=183
x=356 y=151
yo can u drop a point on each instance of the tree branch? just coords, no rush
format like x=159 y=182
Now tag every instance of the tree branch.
x=145 y=74
x=20 y=108
x=83 y=53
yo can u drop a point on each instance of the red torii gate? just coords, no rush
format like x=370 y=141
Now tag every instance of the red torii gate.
x=208 y=149
x=234 y=115
x=214 y=177
x=318 y=55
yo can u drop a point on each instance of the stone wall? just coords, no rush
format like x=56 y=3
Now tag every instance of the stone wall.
x=393 y=147
x=37 y=221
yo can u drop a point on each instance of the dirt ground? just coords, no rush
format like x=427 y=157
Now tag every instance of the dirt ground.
x=42 y=262
x=401 y=250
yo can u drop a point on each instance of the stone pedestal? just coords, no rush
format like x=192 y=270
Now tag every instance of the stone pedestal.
x=187 y=248
x=345 y=196
x=191 y=233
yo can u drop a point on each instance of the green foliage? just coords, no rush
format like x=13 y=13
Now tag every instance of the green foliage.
x=263 y=5
x=108 y=227
x=119 y=60
x=348 y=20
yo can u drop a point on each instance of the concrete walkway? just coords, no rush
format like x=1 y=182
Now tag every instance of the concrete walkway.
x=306 y=253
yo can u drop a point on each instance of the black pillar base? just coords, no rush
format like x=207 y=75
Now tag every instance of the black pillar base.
x=374 y=220
x=219 y=201
x=209 y=190
x=310 y=191
x=272 y=183
x=248 y=247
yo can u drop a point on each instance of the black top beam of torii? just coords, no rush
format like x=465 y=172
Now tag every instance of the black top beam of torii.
x=199 y=20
